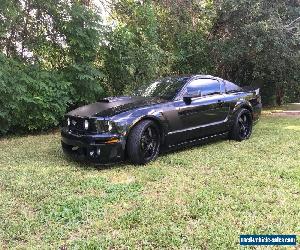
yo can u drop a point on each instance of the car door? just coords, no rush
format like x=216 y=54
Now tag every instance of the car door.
x=205 y=113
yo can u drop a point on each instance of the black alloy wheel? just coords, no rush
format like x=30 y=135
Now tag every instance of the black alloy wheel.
x=242 y=128
x=143 y=143
x=245 y=126
x=149 y=142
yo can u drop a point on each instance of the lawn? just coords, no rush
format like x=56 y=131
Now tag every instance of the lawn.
x=199 y=198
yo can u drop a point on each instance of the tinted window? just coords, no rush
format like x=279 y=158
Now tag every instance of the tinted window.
x=231 y=87
x=204 y=86
x=166 y=88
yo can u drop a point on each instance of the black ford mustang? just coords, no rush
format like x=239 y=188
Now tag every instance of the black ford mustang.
x=164 y=114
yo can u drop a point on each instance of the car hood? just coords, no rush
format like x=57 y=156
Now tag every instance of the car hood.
x=114 y=105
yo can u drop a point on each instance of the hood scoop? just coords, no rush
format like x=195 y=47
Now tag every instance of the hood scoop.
x=114 y=99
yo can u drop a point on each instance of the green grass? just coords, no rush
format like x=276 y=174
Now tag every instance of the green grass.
x=199 y=198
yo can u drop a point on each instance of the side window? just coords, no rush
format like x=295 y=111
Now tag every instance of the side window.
x=204 y=86
x=231 y=87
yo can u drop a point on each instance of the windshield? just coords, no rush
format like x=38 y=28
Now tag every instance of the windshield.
x=166 y=88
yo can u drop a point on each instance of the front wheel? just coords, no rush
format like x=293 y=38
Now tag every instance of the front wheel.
x=144 y=142
x=242 y=127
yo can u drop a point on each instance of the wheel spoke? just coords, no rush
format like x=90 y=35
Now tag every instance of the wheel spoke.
x=242 y=129
x=244 y=118
x=150 y=132
x=244 y=125
x=148 y=142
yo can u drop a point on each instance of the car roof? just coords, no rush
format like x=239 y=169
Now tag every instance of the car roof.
x=192 y=76
x=205 y=77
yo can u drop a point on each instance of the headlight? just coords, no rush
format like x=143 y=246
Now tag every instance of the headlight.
x=86 y=124
x=104 y=126
x=68 y=122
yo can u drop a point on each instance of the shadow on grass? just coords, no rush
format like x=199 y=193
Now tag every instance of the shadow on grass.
x=88 y=164
x=83 y=163
x=190 y=146
x=41 y=153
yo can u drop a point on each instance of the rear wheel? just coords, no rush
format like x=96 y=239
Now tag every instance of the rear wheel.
x=144 y=142
x=242 y=127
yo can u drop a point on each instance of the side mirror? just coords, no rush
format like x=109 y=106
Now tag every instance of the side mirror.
x=187 y=98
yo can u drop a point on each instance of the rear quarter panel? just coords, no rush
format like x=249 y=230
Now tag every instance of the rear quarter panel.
x=243 y=100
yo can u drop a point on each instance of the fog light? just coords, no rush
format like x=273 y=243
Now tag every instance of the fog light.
x=92 y=153
x=98 y=151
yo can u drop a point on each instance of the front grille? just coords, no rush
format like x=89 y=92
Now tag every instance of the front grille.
x=76 y=124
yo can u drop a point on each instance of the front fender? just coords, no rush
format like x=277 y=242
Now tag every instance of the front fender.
x=126 y=123
x=159 y=119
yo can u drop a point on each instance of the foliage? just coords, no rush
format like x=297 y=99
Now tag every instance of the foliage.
x=184 y=27
x=51 y=61
x=83 y=35
x=253 y=45
x=132 y=53
x=30 y=98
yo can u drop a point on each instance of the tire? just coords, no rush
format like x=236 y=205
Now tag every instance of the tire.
x=242 y=125
x=143 y=143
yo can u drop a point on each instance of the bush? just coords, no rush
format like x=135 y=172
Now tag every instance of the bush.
x=30 y=98
x=132 y=54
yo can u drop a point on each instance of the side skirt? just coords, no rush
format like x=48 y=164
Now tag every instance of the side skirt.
x=198 y=140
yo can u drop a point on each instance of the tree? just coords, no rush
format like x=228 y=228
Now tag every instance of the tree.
x=252 y=45
x=132 y=52
x=50 y=53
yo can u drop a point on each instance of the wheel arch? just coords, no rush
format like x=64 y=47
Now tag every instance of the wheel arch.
x=243 y=105
x=241 y=109
x=155 y=119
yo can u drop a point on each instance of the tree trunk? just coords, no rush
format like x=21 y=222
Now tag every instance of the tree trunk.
x=279 y=96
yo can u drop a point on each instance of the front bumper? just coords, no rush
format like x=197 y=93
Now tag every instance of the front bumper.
x=96 y=148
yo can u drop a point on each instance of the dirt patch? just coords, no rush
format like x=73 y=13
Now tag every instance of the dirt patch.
x=286 y=113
